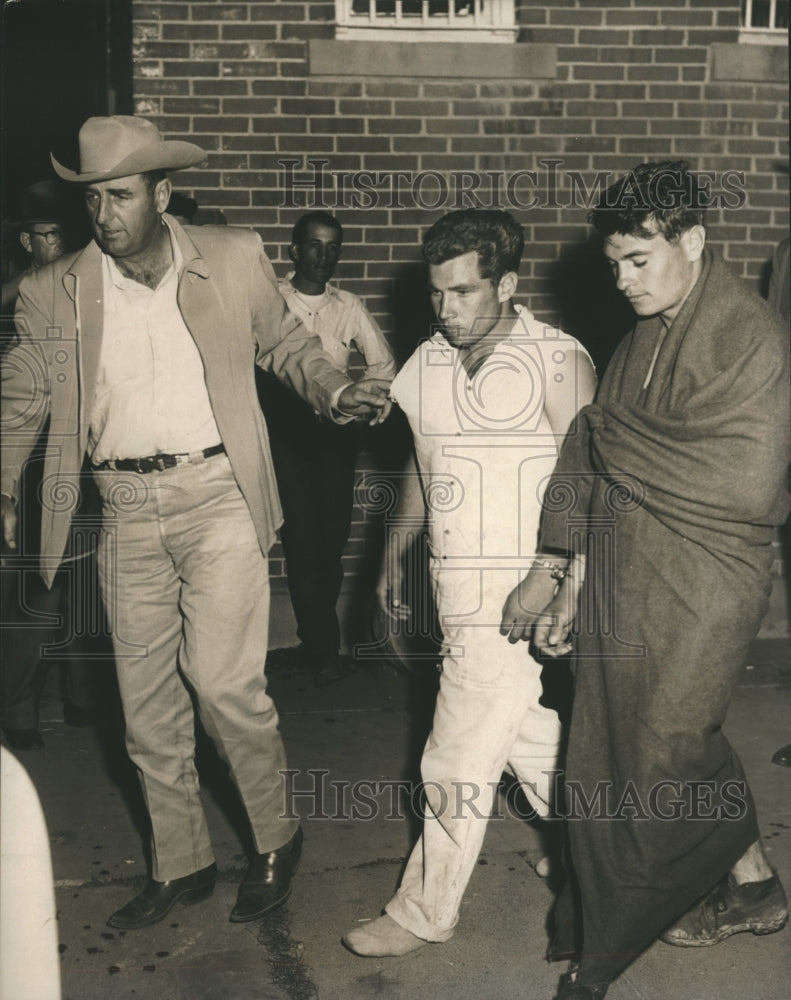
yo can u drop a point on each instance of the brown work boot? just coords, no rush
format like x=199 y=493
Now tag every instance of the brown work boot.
x=731 y=908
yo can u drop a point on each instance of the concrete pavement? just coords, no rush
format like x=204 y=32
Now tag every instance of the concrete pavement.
x=367 y=728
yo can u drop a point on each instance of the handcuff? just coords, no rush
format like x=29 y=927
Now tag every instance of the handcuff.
x=558 y=573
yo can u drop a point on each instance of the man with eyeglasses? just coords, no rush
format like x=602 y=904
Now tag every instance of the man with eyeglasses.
x=26 y=602
x=40 y=234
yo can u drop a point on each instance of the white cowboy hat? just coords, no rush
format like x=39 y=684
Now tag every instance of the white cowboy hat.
x=122 y=145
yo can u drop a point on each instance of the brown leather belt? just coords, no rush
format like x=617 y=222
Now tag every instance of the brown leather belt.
x=158 y=463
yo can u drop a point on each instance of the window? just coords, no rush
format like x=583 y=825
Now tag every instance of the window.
x=764 y=22
x=426 y=20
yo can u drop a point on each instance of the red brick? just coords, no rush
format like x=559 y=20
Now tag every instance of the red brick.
x=507 y=126
x=571 y=127
x=599 y=37
x=249 y=106
x=278 y=87
x=190 y=32
x=752 y=147
x=228 y=123
x=218 y=12
x=619 y=18
x=424 y=107
x=550 y=36
x=600 y=72
x=191 y=106
x=675 y=126
x=220 y=87
x=779 y=129
x=689 y=145
x=644 y=147
x=682 y=55
x=220 y=197
x=160 y=50
x=705 y=110
x=673 y=92
x=630 y=91
x=146 y=32
x=292 y=124
x=392 y=126
x=305 y=144
x=617 y=126
x=729 y=92
x=727 y=127
x=625 y=54
x=419 y=144
x=177 y=126
x=575 y=17
x=248 y=32
x=346 y=125
x=334 y=88
x=154 y=88
x=160 y=11
x=226 y=161
x=544 y=144
x=282 y=11
x=652 y=72
x=193 y=69
x=657 y=38
x=306 y=31
x=374 y=88
x=307 y=106
x=753 y=110
x=366 y=107
x=592 y=109
x=728 y=18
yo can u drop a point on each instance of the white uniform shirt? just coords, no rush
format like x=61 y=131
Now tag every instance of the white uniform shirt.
x=341 y=320
x=484 y=446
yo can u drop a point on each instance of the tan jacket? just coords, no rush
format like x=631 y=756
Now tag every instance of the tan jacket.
x=230 y=303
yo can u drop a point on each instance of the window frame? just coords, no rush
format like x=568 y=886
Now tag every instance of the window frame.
x=496 y=22
x=752 y=35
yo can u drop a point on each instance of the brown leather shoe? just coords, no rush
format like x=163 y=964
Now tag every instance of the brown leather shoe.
x=159 y=898
x=267 y=883
x=731 y=908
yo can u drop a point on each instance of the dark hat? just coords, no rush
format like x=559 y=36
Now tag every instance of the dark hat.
x=39 y=203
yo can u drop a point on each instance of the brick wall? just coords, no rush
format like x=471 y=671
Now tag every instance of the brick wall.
x=631 y=80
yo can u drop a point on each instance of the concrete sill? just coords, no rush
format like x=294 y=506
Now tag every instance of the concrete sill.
x=480 y=61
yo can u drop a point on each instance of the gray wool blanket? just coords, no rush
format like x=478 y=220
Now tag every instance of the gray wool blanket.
x=673 y=489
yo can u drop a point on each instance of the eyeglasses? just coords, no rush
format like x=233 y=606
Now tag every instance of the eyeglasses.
x=52 y=236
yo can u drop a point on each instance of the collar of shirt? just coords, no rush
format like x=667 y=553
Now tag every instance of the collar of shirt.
x=287 y=289
x=113 y=272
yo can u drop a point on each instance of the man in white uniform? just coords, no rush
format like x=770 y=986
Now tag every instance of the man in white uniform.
x=489 y=397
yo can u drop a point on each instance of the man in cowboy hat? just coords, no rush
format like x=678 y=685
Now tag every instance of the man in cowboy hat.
x=139 y=349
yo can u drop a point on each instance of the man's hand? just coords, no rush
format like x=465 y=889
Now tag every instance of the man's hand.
x=366 y=398
x=525 y=604
x=9 y=517
x=552 y=636
x=389 y=589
